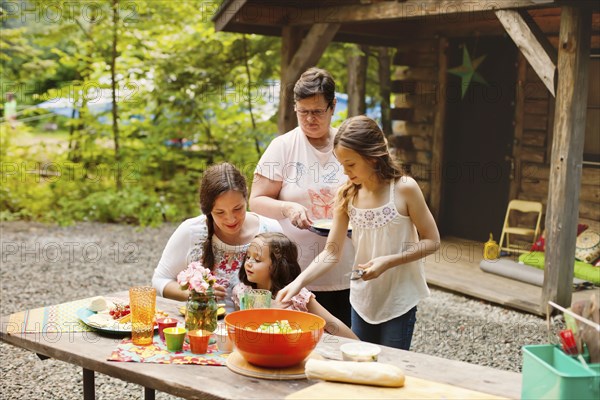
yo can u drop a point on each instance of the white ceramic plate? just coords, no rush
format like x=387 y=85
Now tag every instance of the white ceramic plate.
x=85 y=313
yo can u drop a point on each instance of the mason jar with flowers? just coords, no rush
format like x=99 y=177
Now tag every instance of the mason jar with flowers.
x=201 y=307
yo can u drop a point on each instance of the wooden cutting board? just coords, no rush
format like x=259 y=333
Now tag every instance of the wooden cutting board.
x=414 y=388
x=238 y=364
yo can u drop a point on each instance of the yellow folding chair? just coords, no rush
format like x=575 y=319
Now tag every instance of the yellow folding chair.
x=520 y=230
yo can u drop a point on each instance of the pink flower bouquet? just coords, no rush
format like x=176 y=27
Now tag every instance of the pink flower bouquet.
x=196 y=278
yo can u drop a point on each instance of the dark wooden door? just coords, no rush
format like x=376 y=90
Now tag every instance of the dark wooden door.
x=476 y=171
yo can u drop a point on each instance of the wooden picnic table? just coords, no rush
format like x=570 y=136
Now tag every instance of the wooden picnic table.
x=90 y=350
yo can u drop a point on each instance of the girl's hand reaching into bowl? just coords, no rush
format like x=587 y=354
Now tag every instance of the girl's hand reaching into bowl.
x=284 y=297
x=276 y=304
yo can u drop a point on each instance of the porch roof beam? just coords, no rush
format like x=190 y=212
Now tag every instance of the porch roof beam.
x=391 y=10
x=298 y=54
x=532 y=42
x=226 y=13
x=312 y=48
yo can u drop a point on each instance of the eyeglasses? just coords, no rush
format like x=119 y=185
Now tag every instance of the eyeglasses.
x=317 y=113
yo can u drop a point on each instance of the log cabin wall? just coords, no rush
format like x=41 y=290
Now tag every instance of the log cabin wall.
x=418 y=101
x=415 y=70
x=533 y=150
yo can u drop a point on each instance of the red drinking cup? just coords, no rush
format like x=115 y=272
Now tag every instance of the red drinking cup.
x=165 y=323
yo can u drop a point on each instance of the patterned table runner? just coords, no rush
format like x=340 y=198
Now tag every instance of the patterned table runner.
x=51 y=319
x=157 y=353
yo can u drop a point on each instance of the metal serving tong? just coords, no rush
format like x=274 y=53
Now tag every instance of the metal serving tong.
x=356 y=274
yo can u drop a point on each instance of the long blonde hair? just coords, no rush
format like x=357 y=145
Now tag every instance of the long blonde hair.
x=362 y=135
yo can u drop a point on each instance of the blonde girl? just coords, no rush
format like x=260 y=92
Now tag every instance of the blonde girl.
x=392 y=231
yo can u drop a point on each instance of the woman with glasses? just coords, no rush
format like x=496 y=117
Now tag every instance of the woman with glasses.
x=296 y=181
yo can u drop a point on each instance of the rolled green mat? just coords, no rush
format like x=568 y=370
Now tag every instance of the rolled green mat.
x=519 y=272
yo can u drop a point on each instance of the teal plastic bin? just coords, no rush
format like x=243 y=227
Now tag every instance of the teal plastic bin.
x=549 y=373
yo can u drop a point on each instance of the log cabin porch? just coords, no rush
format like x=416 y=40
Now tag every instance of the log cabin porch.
x=455 y=268
x=551 y=47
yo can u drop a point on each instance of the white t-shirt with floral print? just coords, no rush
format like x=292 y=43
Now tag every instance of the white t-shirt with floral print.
x=309 y=177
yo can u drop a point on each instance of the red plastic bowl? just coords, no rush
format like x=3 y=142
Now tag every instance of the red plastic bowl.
x=274 y=349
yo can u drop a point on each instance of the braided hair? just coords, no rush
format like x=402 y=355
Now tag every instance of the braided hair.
x=217 y=180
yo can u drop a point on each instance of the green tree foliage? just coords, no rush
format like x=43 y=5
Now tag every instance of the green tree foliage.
x=174 y=78
x=335 y=59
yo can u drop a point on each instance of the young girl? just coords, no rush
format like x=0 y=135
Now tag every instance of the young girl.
x=271 y=263
x=218 y=238
x=392 y=231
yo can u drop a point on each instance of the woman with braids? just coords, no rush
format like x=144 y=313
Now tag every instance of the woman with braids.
x=218 y=238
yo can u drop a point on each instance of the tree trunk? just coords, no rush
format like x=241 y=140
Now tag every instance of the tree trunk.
x=113 y=73
x=249 y=97
x=291 y=38
x=385 y=91
x=357 y=79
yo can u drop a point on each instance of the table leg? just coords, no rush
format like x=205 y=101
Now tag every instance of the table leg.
x=148 y=393
x=89 y=387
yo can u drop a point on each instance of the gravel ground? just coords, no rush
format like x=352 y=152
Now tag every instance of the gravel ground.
x=44 y=265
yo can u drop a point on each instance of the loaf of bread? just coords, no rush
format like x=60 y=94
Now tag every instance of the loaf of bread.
x=364 y=373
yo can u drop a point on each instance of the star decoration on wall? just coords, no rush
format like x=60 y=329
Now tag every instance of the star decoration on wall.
x=468 y=71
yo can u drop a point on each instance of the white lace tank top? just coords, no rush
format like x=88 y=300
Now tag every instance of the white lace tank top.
x=378 y=232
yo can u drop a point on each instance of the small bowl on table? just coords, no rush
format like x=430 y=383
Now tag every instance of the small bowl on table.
x=360 y=351
x=270 y=348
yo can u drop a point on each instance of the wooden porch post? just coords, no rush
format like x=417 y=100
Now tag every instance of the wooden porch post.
x=298 y=54
x=515 y=178
x=567 y=154
x=437 y=147
x=357 y=81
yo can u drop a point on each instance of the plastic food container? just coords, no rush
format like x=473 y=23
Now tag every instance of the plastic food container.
x=549 y=373
x=360 y=351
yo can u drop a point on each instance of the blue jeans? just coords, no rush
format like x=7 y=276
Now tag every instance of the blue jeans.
x=337 y=302
x=396 y=332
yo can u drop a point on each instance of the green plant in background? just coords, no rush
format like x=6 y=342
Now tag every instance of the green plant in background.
x=174 y=79
x=185 y=95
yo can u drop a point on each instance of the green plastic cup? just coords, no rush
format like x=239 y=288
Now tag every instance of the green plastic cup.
x=255 y=298
x=174 y=337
